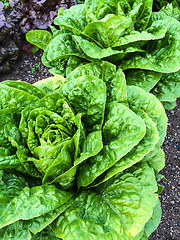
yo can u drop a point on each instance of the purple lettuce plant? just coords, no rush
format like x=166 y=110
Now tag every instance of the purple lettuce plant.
x=2 y=17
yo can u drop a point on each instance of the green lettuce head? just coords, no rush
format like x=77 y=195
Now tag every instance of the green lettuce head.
x=130 y=34
x=83 y=153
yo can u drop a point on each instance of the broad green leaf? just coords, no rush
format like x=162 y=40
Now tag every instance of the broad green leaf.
x=87 y=95
x=139 y=99
x=108 y=30
x=57 y=103
x=29 y=88
x=92 y=50
x=61 y=164
x=143 y=14
x=22 y=155
x=169 y=105
x=73 y=18
x=44 y=58
x=50 y=85
x=73 y=63
x=62 y=46
x=37 y=224
x=137 y=153
x=168 y=88
x=120 y=122
x=114 y=80
x=13 y=97
x=157 y=162
x=8 y=116
x=100 y=8
x=160 y=56
x=8 y=161
x=144 y=79
x=10 y=185
x=39 y=38
x=32 y=203
x=115 y=210
x=90 y=147
x=152 y=223
x=17 y=230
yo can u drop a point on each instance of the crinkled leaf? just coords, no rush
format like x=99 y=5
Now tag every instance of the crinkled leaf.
x=152 y=223
x=137 y=153
x=17 y=230
x=144 y=79
x=101 y=8
x=114 y=80
x=73 y=18
x=62 y=46
x=92 y=50
x=13 y=97
x=157 y=162
x=115 y=210
x=139 y=99
x=120 y=122
x=157 y=30
x=91 y=146
x=50 y=85
x=87 y=95
x=25 y=87
x=160 y=56
x=32 y=203
x=108 y=30
x=168 y=88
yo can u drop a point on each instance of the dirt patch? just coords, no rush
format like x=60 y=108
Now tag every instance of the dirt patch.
x=30 y=69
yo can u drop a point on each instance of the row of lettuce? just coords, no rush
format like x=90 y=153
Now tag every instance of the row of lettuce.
x=80 y=152
x=144 y=44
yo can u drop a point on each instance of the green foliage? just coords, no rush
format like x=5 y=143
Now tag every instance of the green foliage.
x=126 y=33
x=6 y=2
x=79 y=157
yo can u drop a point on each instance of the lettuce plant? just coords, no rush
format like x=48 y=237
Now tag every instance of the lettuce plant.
x=126 y=33
x=2 y=17
x=79 y=157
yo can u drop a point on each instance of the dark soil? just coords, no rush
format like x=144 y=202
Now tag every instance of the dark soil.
x=30 y=69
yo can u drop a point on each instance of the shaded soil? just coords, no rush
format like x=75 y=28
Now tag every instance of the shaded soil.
x=30 y=69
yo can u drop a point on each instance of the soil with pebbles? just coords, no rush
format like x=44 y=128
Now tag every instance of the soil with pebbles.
x=30 y=69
